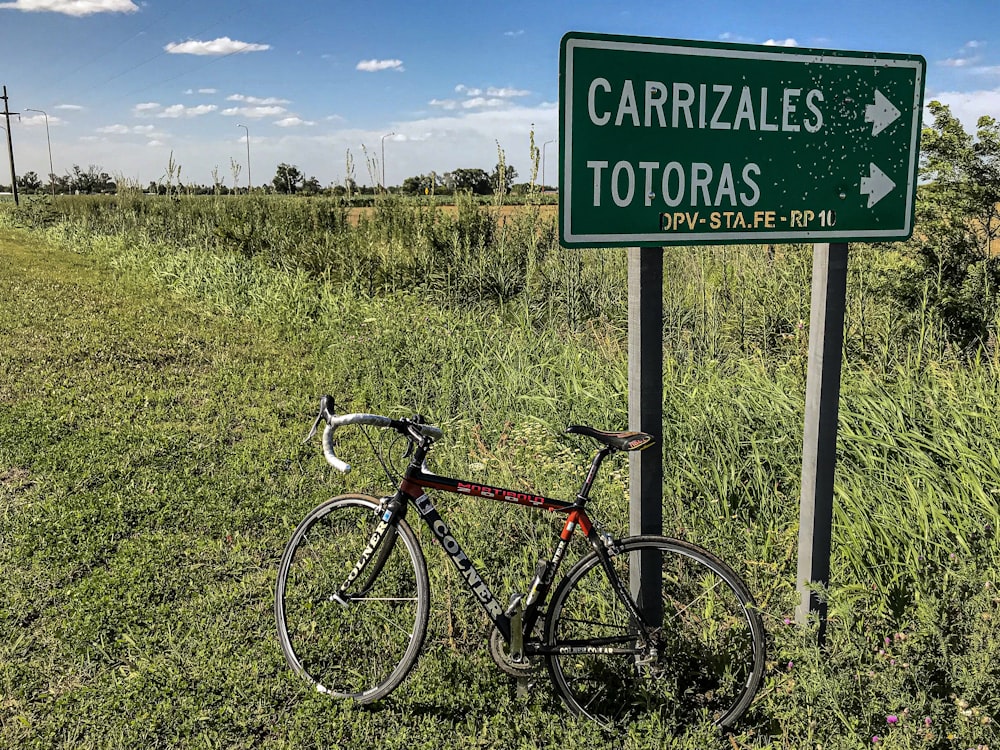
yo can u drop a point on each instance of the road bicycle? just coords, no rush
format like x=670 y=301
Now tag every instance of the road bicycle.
x=352 y=597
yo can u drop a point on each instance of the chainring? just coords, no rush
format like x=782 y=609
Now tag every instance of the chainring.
x=531 y=665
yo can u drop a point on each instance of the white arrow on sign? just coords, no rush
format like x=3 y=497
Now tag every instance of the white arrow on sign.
x=876 y=186
x=881 y=114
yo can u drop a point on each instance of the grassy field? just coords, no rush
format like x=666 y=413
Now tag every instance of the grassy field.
x=156 y=388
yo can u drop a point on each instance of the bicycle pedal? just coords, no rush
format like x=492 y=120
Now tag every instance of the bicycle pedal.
x=523 y=687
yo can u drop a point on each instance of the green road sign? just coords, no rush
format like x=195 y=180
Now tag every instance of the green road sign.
x=666 y=142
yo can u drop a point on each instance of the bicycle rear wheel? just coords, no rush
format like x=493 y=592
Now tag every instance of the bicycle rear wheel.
x=709 y=654
x=364 y=649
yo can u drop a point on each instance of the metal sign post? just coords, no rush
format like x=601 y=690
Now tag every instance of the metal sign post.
x=819 y=442
x=645 y=413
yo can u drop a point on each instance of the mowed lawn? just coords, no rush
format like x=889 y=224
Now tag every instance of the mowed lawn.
x=151 y=469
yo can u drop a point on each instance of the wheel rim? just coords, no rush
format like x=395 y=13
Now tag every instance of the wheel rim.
x=708 y=655
x=361 y=650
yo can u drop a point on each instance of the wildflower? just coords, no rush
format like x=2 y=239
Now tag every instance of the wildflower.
x=891 y=719
x=790 y=665
x=876 y=739
x=927 y=721
x=787 y=621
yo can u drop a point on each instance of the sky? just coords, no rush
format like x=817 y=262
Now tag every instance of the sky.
x=126 y=85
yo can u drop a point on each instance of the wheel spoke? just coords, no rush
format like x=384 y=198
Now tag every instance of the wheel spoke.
x=707 y=656
x=364 y=648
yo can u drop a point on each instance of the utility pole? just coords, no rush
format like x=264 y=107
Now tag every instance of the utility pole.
x=10 y=146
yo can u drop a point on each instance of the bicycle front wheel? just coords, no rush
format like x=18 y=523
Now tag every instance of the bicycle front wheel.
x=363 y=647
x=708 y=657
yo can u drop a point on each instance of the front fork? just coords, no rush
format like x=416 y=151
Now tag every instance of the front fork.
x=376 y=552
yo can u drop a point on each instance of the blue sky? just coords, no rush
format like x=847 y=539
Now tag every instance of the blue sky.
x=125 y=83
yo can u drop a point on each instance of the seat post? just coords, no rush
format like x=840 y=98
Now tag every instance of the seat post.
x=595 y=465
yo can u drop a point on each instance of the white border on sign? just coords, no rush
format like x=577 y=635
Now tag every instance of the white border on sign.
x=658 y=238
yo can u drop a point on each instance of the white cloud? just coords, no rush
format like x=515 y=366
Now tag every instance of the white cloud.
x=731 y=37
x=519 y=32
x=33 y=120
x=506 y=93
x=118 y=129
x=140 y=110
x=254 y=112
x=73 y=7
x=221 y=46
x=293 y=122
x=479 y=102
x=781 y=43
x=440 y=141
x=70 y=107
x=256 y=100
x=373 y=66
x=969 y=106
x=494 y=98
x=179 y=110
x=966 y=56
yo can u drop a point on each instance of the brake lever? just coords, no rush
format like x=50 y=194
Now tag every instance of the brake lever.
x=315 y=427
x=325 y=407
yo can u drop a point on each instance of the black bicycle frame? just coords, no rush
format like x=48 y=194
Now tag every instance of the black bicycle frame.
x=412 y=489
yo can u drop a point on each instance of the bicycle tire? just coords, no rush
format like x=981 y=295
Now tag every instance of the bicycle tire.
x=363 y=650
x=711 y=646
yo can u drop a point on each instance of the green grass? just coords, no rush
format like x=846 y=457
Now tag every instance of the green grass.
x=155 y=396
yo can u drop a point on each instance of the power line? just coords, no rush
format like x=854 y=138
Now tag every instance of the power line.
x=216 y=58
x=79 y=66
x=155 y=57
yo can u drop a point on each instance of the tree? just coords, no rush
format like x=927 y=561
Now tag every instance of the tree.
x=420 y=184
x=508 y=175
x=288 y=179
x=90 y=181
x=953 y=269
x=29 y=182
x=474 y=180
x=311 y=186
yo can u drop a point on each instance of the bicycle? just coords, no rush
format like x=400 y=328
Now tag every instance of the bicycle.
x=352 y=597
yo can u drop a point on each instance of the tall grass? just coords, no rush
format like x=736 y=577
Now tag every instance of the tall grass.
x=481 y=322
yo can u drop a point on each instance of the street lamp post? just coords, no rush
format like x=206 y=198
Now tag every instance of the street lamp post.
x=249 y=181
x=52 y=174
x=383 y=158
x=543 y=160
